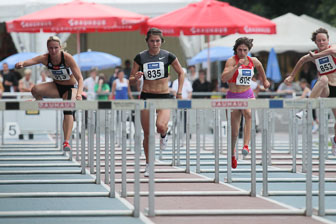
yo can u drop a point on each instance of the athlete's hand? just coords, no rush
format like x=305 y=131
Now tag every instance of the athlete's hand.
x=266 y=84
x=311 y=54
x=138 y=75
x=289 y=80
x=178 y=96
x=78 y=97
x=19 y=65
x=240 y=62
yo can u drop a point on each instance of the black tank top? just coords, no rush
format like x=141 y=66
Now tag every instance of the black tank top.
x=59 y=72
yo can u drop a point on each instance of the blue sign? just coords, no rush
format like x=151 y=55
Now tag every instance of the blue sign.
x=57 y=72
x=324 y=60
x=246 y=72
x=153 y=66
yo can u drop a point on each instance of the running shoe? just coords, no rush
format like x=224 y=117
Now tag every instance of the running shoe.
x=315 y=127
x=245 y=150
x=333 y=146
x=163 y=142
x=146 y=173
x=234 y=162
x=299 y=114
x=66 y=146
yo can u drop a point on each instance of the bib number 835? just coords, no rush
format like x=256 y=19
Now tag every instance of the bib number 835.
x=155 y=73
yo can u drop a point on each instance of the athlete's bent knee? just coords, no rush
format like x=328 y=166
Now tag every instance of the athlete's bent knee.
x=161 y=128
x=324 y=80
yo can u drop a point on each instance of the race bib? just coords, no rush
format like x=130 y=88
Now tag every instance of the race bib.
x=153 y=70
x=244 y=77
x=325 y=64
x=61 y=74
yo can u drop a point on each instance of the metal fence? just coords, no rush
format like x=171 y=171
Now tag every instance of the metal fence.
x=109 y=119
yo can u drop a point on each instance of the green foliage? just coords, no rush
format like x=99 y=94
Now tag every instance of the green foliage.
x=327 y=11
x=324 y=10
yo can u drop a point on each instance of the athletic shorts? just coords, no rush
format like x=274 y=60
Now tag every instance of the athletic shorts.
x=145 y=96
x=63 y=89
x=248 y=94
x=332 y=91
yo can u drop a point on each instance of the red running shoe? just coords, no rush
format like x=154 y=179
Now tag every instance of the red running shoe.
x=234 y=162
x=66 y=146
x=245 y=150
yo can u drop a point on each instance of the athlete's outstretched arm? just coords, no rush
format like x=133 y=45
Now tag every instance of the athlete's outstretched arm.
x=297 y=67
x=330 y=51
x=33 y=61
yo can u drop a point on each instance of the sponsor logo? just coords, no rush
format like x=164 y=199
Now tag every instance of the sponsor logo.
x=55 y=105
x=36 y=24
x=131 y=21
x=246 y=72
x=229 y=104
x=94 y=22
x=257 y=29
x=209 y=30
x=161 y=58
x=153 y=66
x=57 y=72
x=324 y=60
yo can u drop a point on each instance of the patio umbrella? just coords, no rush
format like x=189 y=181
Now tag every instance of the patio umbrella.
x=95 y=59
x=211 y=17
x=273 y=69
x=77 y=17
x=216 y=54
x=15 y=58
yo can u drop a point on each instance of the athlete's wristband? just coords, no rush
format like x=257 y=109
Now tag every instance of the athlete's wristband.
x=178 y=93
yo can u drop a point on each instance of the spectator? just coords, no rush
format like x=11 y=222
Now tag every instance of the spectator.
x=192 y=73
x=1 y=86
x=201 y=84
x=186 y=89
x=120 y=88
x=114 y=76
x=89 y=84
x=289 y=89
x=9 y=79
x=18 y=77
x=308 y=72
x=45 y=76
x=102 y=88
x=127 y=68
x=25 y=84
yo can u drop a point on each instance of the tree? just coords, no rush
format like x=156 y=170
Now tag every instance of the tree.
x=325 y=11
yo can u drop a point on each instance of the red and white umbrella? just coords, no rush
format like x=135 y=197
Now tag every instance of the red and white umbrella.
x=211 y=17
x=77 y=16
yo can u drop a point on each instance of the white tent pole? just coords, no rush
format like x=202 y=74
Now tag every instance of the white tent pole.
x=78 y=47
x=208 y=68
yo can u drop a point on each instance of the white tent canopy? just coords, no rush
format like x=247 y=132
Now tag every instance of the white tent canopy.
x=293 y=34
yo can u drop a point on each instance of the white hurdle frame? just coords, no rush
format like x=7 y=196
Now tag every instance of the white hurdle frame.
x=137 y=105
